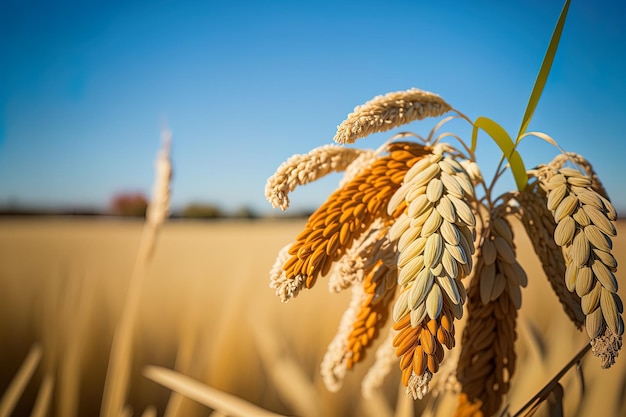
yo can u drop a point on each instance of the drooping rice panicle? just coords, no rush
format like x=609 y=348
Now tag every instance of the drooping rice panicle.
x=379 y=288
x=435 y=244
x=386 y=112
x=540 y=226
x=584 y=228
x=305 y=168
x=435 y=237
x=487 y=359
x=348 y=212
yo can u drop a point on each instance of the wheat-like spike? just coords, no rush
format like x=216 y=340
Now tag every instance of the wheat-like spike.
x=386 y=112
x=348 y=213
x=159 y=207
x=592 y=235
x=301 y=169
x=487 y=360
x=540 y=227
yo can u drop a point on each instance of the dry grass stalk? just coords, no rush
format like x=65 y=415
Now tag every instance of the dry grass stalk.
x=487 y=360
x=348 y=213
x=225 y=403
x=584 y=229
x=386 y=112
x=41 y=408
x=540 y=226
x=18 y=384
x=303 y=169
x=120 y=360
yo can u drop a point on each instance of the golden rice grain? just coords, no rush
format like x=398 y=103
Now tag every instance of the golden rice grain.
x=600 y=220
x=386 y=112
x=446 y=209
x=611 y=311
x=597 y=239
x=590 y=301
x=564 y=231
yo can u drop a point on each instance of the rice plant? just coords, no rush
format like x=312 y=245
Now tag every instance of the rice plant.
x=417 y=234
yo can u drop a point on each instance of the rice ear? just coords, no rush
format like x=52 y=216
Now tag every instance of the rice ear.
x=348 y=213
x=303 y=169
x=540 y=227
x=386 y=112
x=487 y=359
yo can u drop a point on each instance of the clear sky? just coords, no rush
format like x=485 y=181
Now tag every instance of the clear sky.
x=86 y=86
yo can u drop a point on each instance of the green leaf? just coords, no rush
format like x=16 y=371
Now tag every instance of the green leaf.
x=506 y=144
x=544 y=71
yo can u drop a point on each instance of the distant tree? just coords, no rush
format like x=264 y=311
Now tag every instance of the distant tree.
x=129 y=204
x=201 y=211
x=244 y=213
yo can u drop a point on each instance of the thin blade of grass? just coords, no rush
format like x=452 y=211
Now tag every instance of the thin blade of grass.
x=19 y=382
x=44 y=397
x=544 y=71
x=554 y=402
x=547 y=389
x=226 y=404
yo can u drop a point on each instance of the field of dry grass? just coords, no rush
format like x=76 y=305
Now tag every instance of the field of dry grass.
x=207 y=311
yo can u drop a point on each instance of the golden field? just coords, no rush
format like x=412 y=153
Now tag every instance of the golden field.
x=207 y=311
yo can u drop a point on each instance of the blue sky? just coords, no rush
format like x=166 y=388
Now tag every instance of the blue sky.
x=85 y=88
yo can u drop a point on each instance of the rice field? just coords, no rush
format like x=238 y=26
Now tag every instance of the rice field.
x=206 y=311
